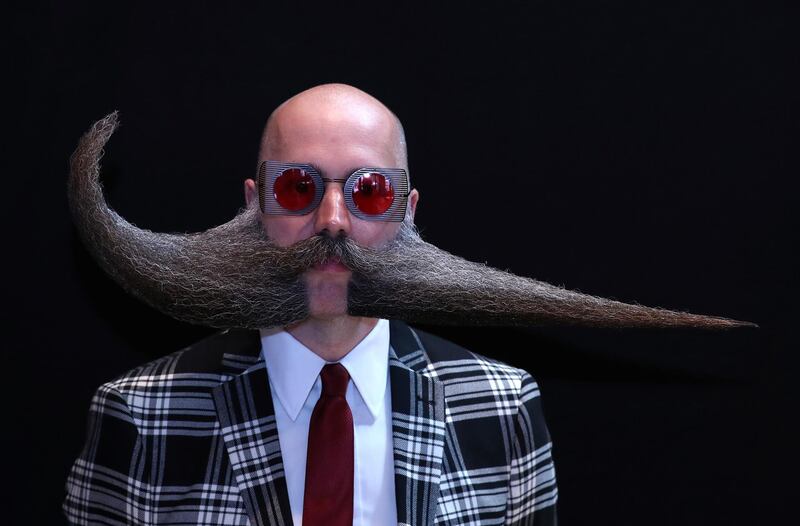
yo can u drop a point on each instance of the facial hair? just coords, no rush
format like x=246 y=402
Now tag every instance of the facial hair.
x=233 y=275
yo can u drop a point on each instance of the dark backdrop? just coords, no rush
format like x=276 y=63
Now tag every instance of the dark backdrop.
x=625 y=149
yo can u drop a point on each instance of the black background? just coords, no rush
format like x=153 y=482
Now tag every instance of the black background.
x=627 y=149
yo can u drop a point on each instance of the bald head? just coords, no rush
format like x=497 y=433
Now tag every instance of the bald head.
x=333 y=118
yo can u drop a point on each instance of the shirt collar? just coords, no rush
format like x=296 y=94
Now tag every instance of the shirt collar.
x=293 y=368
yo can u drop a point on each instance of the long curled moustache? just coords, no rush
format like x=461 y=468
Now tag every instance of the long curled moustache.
x=233 y=275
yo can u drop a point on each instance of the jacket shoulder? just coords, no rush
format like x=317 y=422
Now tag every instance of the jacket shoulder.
x=449 y=361
x=217 y=357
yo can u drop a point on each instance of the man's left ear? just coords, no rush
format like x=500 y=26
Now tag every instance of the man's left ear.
x=413 y=197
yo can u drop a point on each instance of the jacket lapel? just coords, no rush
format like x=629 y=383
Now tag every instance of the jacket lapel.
x=247 y=419
x=418 y=429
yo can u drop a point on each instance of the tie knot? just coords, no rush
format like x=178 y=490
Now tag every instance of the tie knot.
x=334 y=379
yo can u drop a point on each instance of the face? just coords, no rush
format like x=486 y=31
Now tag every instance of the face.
x=336 y=139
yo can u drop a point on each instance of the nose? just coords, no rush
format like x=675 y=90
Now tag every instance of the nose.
x=332 y=216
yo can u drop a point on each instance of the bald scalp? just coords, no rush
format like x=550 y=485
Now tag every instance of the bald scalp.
x=337 y=106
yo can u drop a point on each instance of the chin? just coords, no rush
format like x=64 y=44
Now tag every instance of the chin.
x=327 y=298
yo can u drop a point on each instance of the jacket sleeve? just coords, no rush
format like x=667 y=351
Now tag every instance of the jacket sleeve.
x=106 y=483
x=532 y=486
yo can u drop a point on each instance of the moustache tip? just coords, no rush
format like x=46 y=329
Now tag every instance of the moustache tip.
x=742 y=323
x=716 y=322
x=107 y=124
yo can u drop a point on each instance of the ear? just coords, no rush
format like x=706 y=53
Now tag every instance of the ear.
x=413 y=197
x=250 y=192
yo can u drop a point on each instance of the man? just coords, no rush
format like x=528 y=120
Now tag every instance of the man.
x=328 y=413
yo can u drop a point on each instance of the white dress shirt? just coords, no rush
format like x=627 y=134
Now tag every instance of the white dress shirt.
x=296 y=386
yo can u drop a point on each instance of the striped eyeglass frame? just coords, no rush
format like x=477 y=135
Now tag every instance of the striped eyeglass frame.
x=269 y=171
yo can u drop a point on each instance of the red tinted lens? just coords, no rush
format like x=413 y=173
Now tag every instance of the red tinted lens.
x=294 y=189
x=373 y=193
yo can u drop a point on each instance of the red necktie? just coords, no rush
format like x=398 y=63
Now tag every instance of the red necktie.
x=328 y=496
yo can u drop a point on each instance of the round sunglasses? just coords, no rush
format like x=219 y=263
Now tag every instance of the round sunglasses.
x=372 y=194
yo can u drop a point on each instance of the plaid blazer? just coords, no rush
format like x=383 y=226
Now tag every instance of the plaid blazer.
x=191 y=439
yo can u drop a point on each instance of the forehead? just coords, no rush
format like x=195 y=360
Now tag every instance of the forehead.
x=332 y=132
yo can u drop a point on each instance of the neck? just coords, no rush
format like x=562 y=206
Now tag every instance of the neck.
x=332 y=338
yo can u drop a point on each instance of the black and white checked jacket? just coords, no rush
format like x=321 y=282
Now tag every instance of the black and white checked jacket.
x=191 y=439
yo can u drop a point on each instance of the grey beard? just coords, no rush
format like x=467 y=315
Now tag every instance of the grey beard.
x=234 y=276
